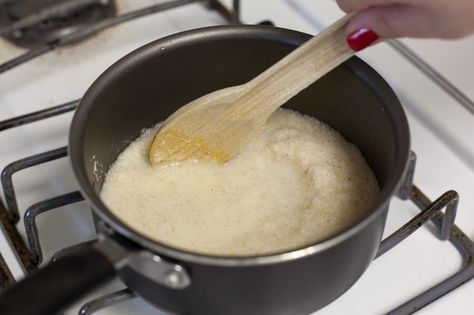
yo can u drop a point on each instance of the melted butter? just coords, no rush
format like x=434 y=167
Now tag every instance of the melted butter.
x=173 y=146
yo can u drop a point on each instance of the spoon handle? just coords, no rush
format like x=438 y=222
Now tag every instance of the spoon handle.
x=319 y=55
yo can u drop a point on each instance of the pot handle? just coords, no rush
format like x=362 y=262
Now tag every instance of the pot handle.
x=57 y=285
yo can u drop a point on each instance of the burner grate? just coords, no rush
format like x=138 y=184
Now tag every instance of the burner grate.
x=231 y=16
x=28 y=23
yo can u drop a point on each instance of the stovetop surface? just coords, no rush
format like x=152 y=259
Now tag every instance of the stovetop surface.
x=441 y=132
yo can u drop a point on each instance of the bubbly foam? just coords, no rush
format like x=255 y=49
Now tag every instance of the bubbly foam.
x=298 y=182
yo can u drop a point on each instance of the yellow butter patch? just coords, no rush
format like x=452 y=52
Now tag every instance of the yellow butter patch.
x=173 y=146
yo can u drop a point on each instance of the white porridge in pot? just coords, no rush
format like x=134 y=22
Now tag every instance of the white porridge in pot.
x=297 y=182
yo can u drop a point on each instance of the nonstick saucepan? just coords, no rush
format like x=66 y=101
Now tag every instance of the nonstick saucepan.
x=144 y=88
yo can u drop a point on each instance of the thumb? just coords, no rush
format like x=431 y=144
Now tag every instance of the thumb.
x=392 y=21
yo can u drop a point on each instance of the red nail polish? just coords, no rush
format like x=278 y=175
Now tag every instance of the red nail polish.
x=361 y=39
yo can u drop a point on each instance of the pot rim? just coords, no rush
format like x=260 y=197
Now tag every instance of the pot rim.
x=76 y=134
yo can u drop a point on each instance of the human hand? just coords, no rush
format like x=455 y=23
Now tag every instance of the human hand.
x=447 y=19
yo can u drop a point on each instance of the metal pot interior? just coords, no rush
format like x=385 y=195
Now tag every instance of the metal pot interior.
x=148 y=85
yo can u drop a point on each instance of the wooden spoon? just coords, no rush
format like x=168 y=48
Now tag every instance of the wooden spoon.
x=216 y=127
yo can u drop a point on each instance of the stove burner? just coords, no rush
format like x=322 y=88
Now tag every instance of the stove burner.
x=29 y=23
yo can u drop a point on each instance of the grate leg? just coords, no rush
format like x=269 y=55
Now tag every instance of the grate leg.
x=106 y=301
x=30 y=220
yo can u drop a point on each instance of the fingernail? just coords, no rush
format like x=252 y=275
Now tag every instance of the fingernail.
x=361 y=39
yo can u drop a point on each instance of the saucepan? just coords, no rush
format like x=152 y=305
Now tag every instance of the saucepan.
x=144 y=88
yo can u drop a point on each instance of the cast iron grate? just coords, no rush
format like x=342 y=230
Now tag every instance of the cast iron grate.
x=28 y=23
x=75 y=35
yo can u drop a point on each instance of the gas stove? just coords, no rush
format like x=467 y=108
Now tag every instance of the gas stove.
x=48 y=59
